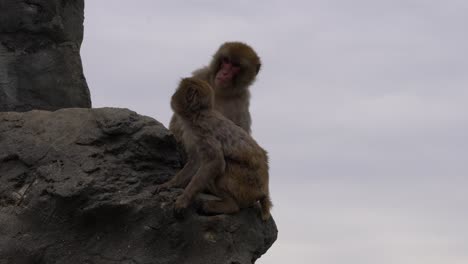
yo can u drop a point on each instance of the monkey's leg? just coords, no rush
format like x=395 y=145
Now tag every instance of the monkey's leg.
x=227 y=205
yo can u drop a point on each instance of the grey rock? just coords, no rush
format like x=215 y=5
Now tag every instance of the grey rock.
x=76 y=186
x=40 y=63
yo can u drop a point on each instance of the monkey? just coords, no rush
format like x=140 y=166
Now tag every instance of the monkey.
x=223 y=159
x=232 y=70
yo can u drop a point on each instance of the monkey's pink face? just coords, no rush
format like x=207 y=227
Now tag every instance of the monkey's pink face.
x=227 y=71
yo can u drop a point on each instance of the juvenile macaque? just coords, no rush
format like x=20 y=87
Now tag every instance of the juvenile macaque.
x=232 y=70
x=223 y=159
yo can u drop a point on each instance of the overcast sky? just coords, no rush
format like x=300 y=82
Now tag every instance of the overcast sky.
x=362 y=105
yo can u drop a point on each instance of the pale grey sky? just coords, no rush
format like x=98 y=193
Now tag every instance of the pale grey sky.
x=362 y=105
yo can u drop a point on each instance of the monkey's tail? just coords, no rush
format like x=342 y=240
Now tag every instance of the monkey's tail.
x=266 y=205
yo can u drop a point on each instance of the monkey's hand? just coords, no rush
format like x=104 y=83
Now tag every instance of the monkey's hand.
x=162 y=187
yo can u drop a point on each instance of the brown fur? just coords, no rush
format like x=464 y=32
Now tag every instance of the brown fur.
x=233 y=100
x=223 y=159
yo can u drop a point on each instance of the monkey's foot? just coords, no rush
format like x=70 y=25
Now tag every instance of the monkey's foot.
x=225 y=206
x=181 y=204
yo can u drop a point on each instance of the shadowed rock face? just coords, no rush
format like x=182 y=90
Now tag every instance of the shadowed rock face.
x=40 y=64
x=76 y=187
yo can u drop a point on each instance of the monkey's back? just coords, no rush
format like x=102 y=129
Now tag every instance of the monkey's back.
x=237 y=144
x=246 y=163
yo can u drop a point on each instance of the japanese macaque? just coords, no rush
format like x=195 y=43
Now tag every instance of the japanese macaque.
x=232 y=70
x=223 y=159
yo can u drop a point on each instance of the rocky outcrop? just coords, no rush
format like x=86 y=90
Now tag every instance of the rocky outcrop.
x=40 y=64
x=76 y=186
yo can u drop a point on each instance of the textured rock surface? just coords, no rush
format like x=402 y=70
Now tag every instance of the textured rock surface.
x=76 y=187
x=40 y=64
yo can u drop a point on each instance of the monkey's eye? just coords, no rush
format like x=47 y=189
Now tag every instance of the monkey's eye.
x=236 y=64
x=225 y=60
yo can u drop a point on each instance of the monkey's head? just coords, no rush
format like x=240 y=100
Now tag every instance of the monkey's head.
x=234 y=66
x=192 y=96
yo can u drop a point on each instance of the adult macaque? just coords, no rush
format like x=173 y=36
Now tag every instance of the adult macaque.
x=231 y=71
x=223 y=159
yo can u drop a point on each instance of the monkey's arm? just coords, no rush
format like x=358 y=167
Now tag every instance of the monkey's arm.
x=246 y=122
x=182 y=178
x=211 y=166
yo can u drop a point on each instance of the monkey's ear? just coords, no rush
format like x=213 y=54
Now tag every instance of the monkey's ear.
x=191 y=94
x=258 y=68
